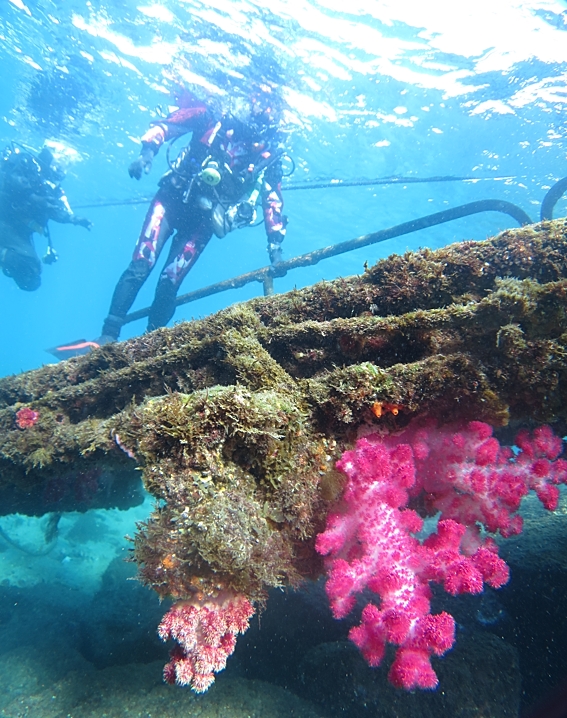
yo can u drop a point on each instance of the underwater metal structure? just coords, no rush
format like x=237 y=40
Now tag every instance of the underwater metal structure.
x=234 y=422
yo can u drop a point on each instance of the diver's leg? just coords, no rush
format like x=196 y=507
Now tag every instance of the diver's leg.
x=185 y=251
x=155 y=232
x=19 y=259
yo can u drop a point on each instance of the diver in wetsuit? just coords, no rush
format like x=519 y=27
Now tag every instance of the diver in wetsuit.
x=30 y=196
x=211 y=188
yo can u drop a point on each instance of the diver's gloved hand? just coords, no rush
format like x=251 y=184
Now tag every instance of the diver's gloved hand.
x=82 y=222
x=275 y=252
x=143 y=164
x=276 y=270
x=275 y=247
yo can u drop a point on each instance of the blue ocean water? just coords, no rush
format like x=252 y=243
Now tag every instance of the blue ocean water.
x=372 y=89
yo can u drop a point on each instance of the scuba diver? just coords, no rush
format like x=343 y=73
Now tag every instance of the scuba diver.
x=211 y=188
x=230 y=164
x=30 y=196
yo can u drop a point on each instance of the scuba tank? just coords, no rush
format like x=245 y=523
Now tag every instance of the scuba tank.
x=20 y=168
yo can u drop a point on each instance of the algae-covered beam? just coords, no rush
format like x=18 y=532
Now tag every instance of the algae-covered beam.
x=396 y=285
x=474 y=329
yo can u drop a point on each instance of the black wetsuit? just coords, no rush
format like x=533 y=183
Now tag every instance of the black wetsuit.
x=28 y=200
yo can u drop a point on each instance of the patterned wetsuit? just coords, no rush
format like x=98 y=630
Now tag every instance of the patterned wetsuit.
x=183 y=203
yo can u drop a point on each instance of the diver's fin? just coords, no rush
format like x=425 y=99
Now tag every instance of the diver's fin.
x=73 y=349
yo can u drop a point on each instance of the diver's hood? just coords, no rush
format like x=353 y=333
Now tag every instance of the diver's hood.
x=53 y=165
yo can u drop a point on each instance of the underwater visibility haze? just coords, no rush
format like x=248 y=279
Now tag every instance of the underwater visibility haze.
x=389 y=111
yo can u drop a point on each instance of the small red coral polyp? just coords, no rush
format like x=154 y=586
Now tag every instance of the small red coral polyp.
x=26 y=417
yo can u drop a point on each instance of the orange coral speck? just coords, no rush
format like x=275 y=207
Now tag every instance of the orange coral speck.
x=169 y=562
x=379 y=408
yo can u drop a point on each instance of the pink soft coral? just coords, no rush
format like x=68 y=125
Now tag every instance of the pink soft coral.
x=205 y=631
x=464 y=475
x=26 y=417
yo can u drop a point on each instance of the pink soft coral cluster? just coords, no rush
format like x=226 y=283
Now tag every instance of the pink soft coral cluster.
x=26 y=417
x=206 y=632
x=460 y=473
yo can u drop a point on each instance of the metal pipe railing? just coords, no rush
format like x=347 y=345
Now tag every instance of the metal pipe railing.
x=266 y=274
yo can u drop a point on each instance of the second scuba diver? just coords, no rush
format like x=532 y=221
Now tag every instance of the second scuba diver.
x=30 y=196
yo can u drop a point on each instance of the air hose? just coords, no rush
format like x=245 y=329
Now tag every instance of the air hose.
x=551 y=199
x=266 y=274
